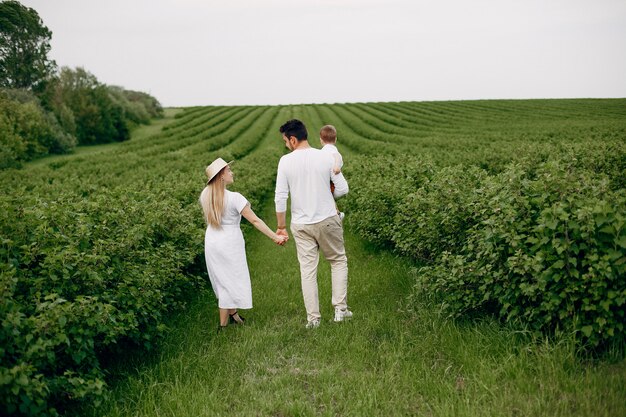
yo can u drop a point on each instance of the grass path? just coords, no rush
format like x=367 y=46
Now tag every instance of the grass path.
x=385 y=362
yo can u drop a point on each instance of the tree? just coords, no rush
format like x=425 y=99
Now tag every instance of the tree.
x=97 y=117
x=24 y=47
x=149 y=103
x=27 y=131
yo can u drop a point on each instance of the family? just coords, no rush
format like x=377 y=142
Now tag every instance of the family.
x=313 y=179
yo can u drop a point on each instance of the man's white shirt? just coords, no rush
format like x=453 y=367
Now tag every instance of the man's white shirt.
x=306 y=174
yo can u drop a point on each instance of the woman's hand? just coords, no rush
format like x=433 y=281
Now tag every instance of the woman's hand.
x=280 y=239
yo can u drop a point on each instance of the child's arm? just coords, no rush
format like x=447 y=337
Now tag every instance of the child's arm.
x=337 y=166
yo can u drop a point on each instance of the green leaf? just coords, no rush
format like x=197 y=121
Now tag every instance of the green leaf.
x=587 y=330
x=552 y=224
x=608 y=229
x=22 y=380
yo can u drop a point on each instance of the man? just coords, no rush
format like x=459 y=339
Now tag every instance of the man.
x=306 y=173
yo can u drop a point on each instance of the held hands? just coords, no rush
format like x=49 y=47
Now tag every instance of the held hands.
x=280 y=240
x=281 y=237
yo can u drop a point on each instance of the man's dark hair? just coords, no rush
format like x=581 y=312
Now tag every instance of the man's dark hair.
x=294 y=127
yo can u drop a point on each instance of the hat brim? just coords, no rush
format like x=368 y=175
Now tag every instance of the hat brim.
x=219 y=167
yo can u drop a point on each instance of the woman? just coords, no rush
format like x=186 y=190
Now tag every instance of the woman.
x=224 y=247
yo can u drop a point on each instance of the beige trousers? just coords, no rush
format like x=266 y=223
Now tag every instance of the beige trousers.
x=326 y=236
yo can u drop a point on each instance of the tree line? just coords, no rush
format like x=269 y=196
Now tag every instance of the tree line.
x=46 y=110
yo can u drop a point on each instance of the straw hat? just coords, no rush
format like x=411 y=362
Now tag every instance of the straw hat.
x=215 y=167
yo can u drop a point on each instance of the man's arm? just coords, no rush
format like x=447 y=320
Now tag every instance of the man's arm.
x=280 y=199
x=281 y=221
x=341 y=185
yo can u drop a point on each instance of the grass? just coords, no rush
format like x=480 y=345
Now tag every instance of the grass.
x=387 y=361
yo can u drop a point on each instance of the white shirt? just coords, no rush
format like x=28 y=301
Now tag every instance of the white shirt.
x=332 y=149
x=306 y=175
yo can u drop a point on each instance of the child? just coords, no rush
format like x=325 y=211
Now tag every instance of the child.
x=328 y=139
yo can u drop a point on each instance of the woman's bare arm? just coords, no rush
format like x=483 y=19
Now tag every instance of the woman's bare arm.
x=261 y=226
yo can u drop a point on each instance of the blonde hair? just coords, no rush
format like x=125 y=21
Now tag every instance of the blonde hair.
x=328 y=134
x=212 y=201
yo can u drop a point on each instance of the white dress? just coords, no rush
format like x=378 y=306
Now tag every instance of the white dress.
x=225 y=254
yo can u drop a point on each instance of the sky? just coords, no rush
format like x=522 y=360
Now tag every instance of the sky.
x=240 y=52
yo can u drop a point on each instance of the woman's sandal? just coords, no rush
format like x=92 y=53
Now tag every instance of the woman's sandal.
x=233 y=320
x=220 y=328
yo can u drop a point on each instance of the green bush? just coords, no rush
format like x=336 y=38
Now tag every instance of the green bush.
x=436 y=217
x=144 y=102
x=27 y=131
x=378 y=187
x=12 y=145
x=548 y=251
x=83 y=275
x=49 y=342
x=134 y=111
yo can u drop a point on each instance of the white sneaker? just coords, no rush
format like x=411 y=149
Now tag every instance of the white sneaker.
x=313 y=324
x=341 y=315
x=341 y=215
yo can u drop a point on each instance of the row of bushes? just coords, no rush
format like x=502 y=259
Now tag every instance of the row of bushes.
x=73 y=109
x=95 y=257
x=80 y=276
x=539 y=243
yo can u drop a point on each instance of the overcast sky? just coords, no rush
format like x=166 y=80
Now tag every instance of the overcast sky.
x=207 y=52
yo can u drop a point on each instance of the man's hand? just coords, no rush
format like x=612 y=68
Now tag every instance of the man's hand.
x=280 y=239
x=283 y=235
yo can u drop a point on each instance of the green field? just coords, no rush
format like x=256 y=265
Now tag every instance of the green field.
x=454 y=212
